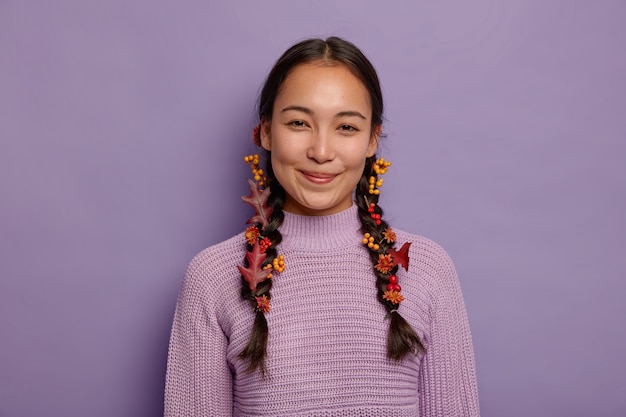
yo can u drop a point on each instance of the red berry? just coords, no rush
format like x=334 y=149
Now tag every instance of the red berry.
x=390 y=287
x=393 y=279
x=378 y=222
x=397 y=287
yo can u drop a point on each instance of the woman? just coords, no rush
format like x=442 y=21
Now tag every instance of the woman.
x=320 y=308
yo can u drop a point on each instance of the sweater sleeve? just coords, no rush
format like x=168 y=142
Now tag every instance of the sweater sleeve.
x=198 y=381
x=447 y=385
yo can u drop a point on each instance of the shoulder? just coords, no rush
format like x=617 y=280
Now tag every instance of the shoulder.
x=219 y=256
x=425 y=252
x=214 y=270
x=429 y=264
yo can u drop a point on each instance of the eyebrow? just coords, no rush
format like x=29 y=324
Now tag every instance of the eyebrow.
x=347 y=113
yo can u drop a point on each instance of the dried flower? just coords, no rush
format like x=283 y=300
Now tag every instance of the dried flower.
x=389 y=235
x=385 y=263
x=263 y=304
x=252 y=234
x=256 y=135
x=393 y=296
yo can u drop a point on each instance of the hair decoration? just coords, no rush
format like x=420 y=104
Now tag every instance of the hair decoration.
x=259 y=267
x=256 y=135
x=369 y=241
x=257 y=173
x=389 y=259
x=263 y=304
x=380 y=167
x=394 y=258
x=372 y=210
x=389 y=235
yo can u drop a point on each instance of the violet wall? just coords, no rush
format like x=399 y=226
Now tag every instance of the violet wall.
x=122 y=131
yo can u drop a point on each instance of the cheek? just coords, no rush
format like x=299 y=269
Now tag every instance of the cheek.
x=281 y=164
x=285 y=153
x=358 y=170
x=279 y=160
x=357 y=158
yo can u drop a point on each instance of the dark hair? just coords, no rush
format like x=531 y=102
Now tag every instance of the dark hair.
x=332 y=51
x=401 y=339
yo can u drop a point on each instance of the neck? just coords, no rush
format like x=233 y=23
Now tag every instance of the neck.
x=333 y=231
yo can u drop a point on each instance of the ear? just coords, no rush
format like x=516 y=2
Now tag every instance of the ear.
x=266 y=138
x=373 y=145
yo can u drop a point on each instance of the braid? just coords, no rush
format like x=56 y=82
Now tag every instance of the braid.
x=401 y=339
x=256 y=349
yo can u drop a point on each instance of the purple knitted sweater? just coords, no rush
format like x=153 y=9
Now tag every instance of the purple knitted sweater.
x=326 y=353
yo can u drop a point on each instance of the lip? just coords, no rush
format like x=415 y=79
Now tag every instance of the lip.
x=318 y=177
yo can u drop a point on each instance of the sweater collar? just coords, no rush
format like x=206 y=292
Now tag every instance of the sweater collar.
x=334 y=231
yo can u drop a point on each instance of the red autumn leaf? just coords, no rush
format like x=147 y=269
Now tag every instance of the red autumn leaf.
x=401 y=257
x=254 y=274
x=258 y=200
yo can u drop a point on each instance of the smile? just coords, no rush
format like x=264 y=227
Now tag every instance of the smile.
x=318 y=177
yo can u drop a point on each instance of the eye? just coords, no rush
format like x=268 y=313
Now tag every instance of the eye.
x=348 y=128
x=297 y=123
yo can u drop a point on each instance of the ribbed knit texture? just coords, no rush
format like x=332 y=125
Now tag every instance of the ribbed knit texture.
x=327 y=332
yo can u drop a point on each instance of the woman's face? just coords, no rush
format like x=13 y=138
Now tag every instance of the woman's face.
x=319 y=137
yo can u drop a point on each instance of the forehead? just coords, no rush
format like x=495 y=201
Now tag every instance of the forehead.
x=323 y=84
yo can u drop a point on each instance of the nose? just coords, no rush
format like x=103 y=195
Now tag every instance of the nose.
x=321 y=147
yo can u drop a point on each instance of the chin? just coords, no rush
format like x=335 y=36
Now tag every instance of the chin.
x=316 y=209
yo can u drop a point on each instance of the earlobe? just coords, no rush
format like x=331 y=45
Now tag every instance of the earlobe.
x=373 y=145
x=266 y=141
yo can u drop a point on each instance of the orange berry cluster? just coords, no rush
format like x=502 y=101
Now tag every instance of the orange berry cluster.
x=257 y=172
x=380 y=168
x=369 y=241
x=375 y=183
x=279 y=263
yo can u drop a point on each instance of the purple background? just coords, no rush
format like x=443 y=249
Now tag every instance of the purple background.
x=123 y=127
